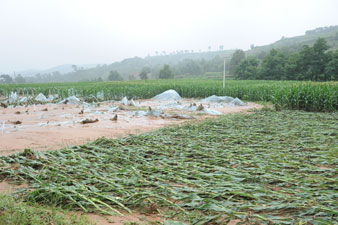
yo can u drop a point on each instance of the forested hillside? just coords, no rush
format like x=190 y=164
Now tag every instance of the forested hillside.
x=316 y=63
x=292 y=44
x=313 y=56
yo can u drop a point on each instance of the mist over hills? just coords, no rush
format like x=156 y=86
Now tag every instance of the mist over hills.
x=62 y=69
x=291 y=44
x=129 y=68
x=185 y=63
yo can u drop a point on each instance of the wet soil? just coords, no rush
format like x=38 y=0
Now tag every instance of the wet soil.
x=55 y=126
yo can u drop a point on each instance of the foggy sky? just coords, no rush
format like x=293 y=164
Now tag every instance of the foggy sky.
x=38 y=34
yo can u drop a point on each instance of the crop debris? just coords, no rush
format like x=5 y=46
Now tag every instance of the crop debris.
x=266 y=167
x=89 y=121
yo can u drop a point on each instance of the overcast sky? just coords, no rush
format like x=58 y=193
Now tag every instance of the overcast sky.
x=38 y=34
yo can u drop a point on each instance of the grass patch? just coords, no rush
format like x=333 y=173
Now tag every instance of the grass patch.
x=16 y=212
x=265 y=167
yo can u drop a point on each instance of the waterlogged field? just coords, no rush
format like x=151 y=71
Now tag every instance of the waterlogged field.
x=309 y=96
x=267 y=167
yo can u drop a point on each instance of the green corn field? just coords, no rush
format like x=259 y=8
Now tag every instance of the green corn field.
x=309 y=96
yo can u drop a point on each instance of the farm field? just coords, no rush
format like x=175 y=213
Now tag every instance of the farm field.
x=168 y=113
x=269 y=165
x=266 y=167
x=309 y=96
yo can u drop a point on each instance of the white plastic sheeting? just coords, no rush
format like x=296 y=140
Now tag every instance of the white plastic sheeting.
x=154 y=113
x=24 y=99
x=192 y=108
x=171 y=106
x=168 y=95
x=224 y=99
x=140 y=113
x=218 y=99
x=124 y=101
x=236 y=102
x=13 y=98
x=100 y=95
x=41 y=98
x=132 y=103
x=211 y=111
x=87 y=110
x=71 y=100
x=50 y=98
x=85 y=104
x=112 y=109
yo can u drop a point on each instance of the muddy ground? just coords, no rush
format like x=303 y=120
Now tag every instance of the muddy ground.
x=54 y=126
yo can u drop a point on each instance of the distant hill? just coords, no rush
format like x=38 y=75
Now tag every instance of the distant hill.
x=296 y=43
x=131 y=67
x=183 y=63
x=134 y=65
x=62 y=69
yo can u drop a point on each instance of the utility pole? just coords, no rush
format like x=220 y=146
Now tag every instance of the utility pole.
x=224 y=74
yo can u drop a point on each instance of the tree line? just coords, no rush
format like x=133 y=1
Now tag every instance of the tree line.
x=165 y=73
x=314 y=63
x=6 y=79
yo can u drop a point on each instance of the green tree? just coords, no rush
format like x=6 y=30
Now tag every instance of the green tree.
x=144 y=73
x=312 y=61
x=320 y=59
x=131 y=77
x=74 y=67
x=331 y=68
x=236 y=59
x=114 y=75
x=273 y=66
x=304 y=63
x=188 y=66
x=261 y=55
x=166 y=72
x=247 y=69
x=19 y=79
x=292 y=71
x=6 y=79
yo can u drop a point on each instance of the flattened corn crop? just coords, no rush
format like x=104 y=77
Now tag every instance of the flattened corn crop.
x=265 y=167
